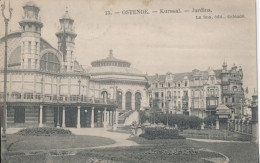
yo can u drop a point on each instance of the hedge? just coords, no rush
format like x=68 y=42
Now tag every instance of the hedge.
x=161 y=133
x=43 y=131
x=183 y=121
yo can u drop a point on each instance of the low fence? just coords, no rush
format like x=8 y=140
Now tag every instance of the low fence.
x=240 y=126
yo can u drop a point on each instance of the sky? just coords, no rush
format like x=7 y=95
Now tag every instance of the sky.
x=155 y=43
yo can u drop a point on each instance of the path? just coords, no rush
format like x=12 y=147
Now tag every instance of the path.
x=119 y=138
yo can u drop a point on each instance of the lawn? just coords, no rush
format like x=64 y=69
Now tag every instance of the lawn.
x=236 y=152
x=214 y=134
x=171 y=150
x=22 y=143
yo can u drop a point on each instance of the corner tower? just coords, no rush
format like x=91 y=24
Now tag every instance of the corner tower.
x=66 y=41
x=30 y=38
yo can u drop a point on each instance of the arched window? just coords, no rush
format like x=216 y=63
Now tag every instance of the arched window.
x=128 y=100
x=138 y=99
x=50 y=62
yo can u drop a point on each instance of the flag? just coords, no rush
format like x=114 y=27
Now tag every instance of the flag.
x=63 y=47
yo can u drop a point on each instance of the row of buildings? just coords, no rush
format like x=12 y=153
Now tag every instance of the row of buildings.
x=47 y=86
x=198 y=92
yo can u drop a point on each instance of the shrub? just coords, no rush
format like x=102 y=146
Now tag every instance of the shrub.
x=210 y=120
x=161 y=133
x=194 y=122
x=43 y=131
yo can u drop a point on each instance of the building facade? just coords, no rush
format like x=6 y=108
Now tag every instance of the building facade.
x=198 y=92
x=46 y=86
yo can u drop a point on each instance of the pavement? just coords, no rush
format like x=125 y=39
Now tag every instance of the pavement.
x=119 y=138
x=216 y=141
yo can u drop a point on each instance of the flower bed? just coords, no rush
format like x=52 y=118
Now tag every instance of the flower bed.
x=43 y=131
x=161 y=133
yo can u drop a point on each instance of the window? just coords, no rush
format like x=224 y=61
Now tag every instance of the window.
x=28 y=96
x=156 y=94
x=156 y=85
x=162 y=94
x=179 y=94
x=38 y=96
x=50 y=62
x=23 y=28
x=179 y=84
x=29 y=47
x=186 y=83
x=16 y=95
x=233 y=99
x=169 y=85
x=36 y=62
x=226 y=99
x=29 y=63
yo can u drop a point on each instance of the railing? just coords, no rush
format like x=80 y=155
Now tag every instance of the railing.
x=62 y=100
x=232 y=92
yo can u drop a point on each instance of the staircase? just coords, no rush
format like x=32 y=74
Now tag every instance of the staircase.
x=126 y=118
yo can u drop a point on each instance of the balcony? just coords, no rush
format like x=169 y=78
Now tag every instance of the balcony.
x=63 y=100
x=186 y=98
x=228 y=92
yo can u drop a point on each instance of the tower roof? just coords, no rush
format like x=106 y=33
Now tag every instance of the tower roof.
x=66 y=16
x=30 y=4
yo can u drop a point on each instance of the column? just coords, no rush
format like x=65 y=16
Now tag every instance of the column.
x=78 y=118
x=40 y=125
x=105 y=117
x=123 y=101
x=63 y=117
x=217 y=124
x=110 y=118
x=92 y=117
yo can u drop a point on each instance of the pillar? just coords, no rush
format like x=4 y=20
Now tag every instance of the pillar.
x=63 y=117
x=40 y=125
x=123 y=101
x=92 y=117
x=78 y=118
x=235 y=125
x=217 y=124
x=105 y=117
x=110 y=118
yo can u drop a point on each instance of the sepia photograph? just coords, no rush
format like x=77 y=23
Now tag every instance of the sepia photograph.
x=109 y=81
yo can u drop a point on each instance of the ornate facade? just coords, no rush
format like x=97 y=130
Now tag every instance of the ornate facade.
x=198 y=92
x=48 y=87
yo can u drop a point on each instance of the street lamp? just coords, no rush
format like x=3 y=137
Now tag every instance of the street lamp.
x=6 y=20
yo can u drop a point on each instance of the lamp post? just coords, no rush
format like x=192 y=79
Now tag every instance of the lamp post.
x=6 y=20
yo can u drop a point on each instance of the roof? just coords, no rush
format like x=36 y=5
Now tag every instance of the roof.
x=31 y=4
x=110 y=59
x=184 y=75
x=66 y=15
x=223 y=109
x=114 y=70
x=15 y=57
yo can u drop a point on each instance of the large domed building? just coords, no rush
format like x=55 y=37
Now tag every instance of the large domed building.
x=46 y=86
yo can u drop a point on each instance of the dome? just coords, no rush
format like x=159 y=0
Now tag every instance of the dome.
x=110 y=61
x=30 y=4
x=112 y=65
x=114 y=70
x=66 y=15
x=212 y=73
